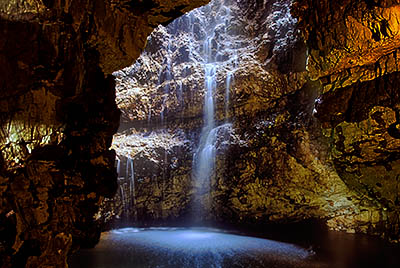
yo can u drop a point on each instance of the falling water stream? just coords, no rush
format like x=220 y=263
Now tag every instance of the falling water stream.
x=206 y=51
x=204 y=156
x=127 y=187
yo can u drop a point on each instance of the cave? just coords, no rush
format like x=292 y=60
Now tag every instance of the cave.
x=222 y=133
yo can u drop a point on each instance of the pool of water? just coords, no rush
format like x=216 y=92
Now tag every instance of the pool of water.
x=207 y=247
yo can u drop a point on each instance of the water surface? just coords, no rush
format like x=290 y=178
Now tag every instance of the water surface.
x=207 y=247
x=189 y=247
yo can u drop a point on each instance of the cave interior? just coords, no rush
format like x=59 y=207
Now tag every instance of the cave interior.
x=222 y=133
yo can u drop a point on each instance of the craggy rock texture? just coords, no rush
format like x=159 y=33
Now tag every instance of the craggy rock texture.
x=57 y=117
x=317 y=141
x=275 y=160
x=356 y=64
x=154 y=178
x=348 y=36
x=164 y=90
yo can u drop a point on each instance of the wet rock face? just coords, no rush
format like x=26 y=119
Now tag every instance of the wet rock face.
x=316 y=141
x=58 y=115
x=166 y=84
x=154 y=178
x=255 y=66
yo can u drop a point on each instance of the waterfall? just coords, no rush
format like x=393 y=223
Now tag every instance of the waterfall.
x=132 y=190
x=127 y=187
x=132 y=180
x=128 y=160
x=194 y=65
x=123 y=199
x=118 y=166
x=205 y=155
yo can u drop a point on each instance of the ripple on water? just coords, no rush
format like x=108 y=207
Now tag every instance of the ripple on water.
x=190 y=247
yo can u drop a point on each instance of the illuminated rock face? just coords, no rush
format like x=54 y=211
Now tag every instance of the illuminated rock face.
x=58 y=115
x=317 y=143
x=350 y=36
x=257 y=59
x=356 y=63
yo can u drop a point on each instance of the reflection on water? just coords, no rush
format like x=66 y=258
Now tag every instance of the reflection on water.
x=206 y=247
x=188 y=247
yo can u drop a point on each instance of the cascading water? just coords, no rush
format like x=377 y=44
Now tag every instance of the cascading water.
x=127 y=187
x=204 y=157
x=118 y=166
x=132 y=189
x=123 y=198
x=190 y=62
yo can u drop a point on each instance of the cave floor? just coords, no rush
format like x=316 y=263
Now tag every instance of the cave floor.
x=207 y=247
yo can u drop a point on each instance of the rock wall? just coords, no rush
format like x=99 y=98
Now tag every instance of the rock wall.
x=58 y=115
x=259 y=60
x=356 y=64
x=154 y=179
x=313 y=139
